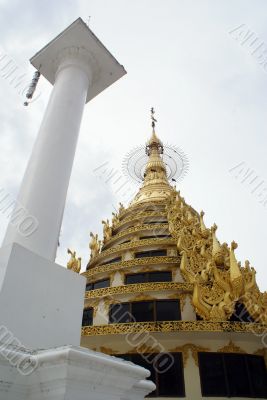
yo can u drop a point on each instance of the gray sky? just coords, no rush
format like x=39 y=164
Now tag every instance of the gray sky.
x=208 y=90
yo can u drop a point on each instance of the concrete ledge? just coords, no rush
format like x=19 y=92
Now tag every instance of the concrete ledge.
x=71 y=373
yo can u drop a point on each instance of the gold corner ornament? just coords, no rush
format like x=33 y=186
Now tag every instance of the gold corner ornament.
x=74 y=264
x=107 y=231
x=219 y=280
x=94 y=245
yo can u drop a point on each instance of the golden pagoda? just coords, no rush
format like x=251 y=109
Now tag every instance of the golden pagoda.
x=164 y=293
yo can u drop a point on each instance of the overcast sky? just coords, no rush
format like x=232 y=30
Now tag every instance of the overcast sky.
x=210 y=96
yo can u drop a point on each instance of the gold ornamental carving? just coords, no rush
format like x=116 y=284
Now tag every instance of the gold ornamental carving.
x=132 y=245
x=138 y=228
x=142 y=297
x=129 y=264
x=107 y=350
x=173 y=326
x=231 y=347
x=219 y=280
x=74 y=264
x=107 y=231
x=140 y=216
x=154 y=204
x=139 y=288
x=94 y=246
x=186 y=349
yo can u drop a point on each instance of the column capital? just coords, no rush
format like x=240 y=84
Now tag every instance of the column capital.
x=77 y=44
x=78 y=57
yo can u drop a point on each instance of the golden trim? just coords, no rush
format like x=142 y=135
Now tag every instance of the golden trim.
x=231 y=347
x=133 y=245
x=141 y=297
x=131 y=263
x=132 y=208
x=107 y=350
x=140 y=215
x=173 y=326
x=139 y=288
x=137 y=228
x=194 y=349
x=108 y=300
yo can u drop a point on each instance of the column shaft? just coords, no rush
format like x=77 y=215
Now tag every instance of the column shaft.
x=45 y=183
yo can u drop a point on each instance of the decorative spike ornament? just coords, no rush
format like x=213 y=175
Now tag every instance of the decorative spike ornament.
x=204 y=230
x=32 y=87
x=217 y=252
x=235 y=272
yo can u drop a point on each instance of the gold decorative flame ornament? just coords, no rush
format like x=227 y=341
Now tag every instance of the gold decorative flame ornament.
x=219 y=280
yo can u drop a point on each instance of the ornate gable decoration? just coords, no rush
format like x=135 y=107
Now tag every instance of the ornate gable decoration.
x=219 y=280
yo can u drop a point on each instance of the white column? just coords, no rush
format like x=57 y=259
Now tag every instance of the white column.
x=45 y=183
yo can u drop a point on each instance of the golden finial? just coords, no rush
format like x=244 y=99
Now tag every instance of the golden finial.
x=154 y=141
x=153 y=119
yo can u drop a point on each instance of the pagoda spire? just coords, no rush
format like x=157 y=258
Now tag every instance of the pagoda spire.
x=155 y=185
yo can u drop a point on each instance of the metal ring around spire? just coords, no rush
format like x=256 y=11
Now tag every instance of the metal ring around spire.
x=176 y=162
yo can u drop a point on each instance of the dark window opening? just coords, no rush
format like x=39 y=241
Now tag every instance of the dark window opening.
x=98 y=284
x=89 y=286
x=151 y=253
x=125 y=241
x=155 y=222
x=120 y=313
x=114 y=260
x=88 y=316
x=101 y=284
x=143 y=311
x=241 y=314
x=158 y=276
x=166 y=370
x=168 y=310
x=155 y=236
x=233 y=375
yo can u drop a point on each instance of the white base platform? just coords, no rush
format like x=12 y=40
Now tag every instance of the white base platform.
x=41 y=303
x=72 y=373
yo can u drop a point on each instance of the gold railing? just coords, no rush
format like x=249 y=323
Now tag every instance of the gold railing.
x=133 y=245
x=139 y=288
x=146 y=261
x=174 y=326
x=135 y=207
x=139 y=228
x=140 y=215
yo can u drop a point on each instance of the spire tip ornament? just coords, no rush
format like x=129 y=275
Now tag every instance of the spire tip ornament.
x=153 y=118
x=175 y=161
